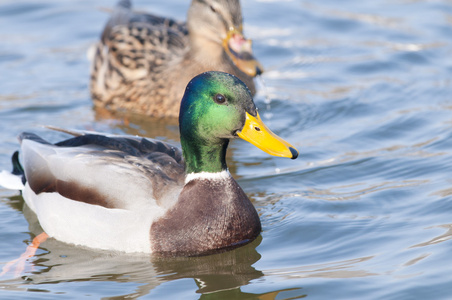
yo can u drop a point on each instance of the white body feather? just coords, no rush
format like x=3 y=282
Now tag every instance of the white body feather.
x=117 y=179
x=209 y=176
x=91 y=225
x=11 y=181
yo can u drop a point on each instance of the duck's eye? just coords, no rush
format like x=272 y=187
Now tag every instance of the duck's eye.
x=213 y=9
x=219 y=98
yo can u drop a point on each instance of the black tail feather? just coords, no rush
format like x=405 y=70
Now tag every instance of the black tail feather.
x=17 y=167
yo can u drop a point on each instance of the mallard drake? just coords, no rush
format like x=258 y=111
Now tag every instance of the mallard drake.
x=143 y=62
x=135 y=194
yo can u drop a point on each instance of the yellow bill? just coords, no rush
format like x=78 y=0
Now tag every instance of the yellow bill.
x=239 y=50
x=256 y=133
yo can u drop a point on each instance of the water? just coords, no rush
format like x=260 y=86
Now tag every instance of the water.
x=362 y=88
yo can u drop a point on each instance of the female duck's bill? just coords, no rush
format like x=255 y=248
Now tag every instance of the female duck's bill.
x=240 y=52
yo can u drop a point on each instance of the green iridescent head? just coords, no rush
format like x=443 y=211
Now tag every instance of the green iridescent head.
x=215 y=108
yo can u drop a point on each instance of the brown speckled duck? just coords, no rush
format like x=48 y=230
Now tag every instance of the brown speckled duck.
x=143 y=62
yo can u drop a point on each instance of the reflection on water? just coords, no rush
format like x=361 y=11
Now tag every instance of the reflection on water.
x=340 y=269
x=218 y=272
x=58 y=262
x=439 y=239
x=356 y=190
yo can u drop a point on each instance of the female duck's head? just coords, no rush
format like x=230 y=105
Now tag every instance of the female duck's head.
x=220 y=22
x=215 y=108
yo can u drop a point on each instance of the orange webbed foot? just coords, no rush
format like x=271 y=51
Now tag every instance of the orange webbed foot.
x=29 y=252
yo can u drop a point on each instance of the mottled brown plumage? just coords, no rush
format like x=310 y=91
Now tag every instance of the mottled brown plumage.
x=143 y=62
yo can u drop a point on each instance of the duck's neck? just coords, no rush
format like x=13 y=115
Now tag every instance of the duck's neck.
x=201 y=156
x=206 y=51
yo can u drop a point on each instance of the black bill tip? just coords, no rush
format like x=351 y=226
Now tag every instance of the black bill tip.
x=294 y=152
x=259 y=71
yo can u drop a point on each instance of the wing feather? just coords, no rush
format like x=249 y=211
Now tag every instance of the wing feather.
x=110 y=171
x=139 y=43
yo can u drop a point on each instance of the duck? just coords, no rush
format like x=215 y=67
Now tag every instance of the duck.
x=143 y=62
x=140 y=195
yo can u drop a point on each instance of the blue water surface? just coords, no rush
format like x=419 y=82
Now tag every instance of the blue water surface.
x=362 y=88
